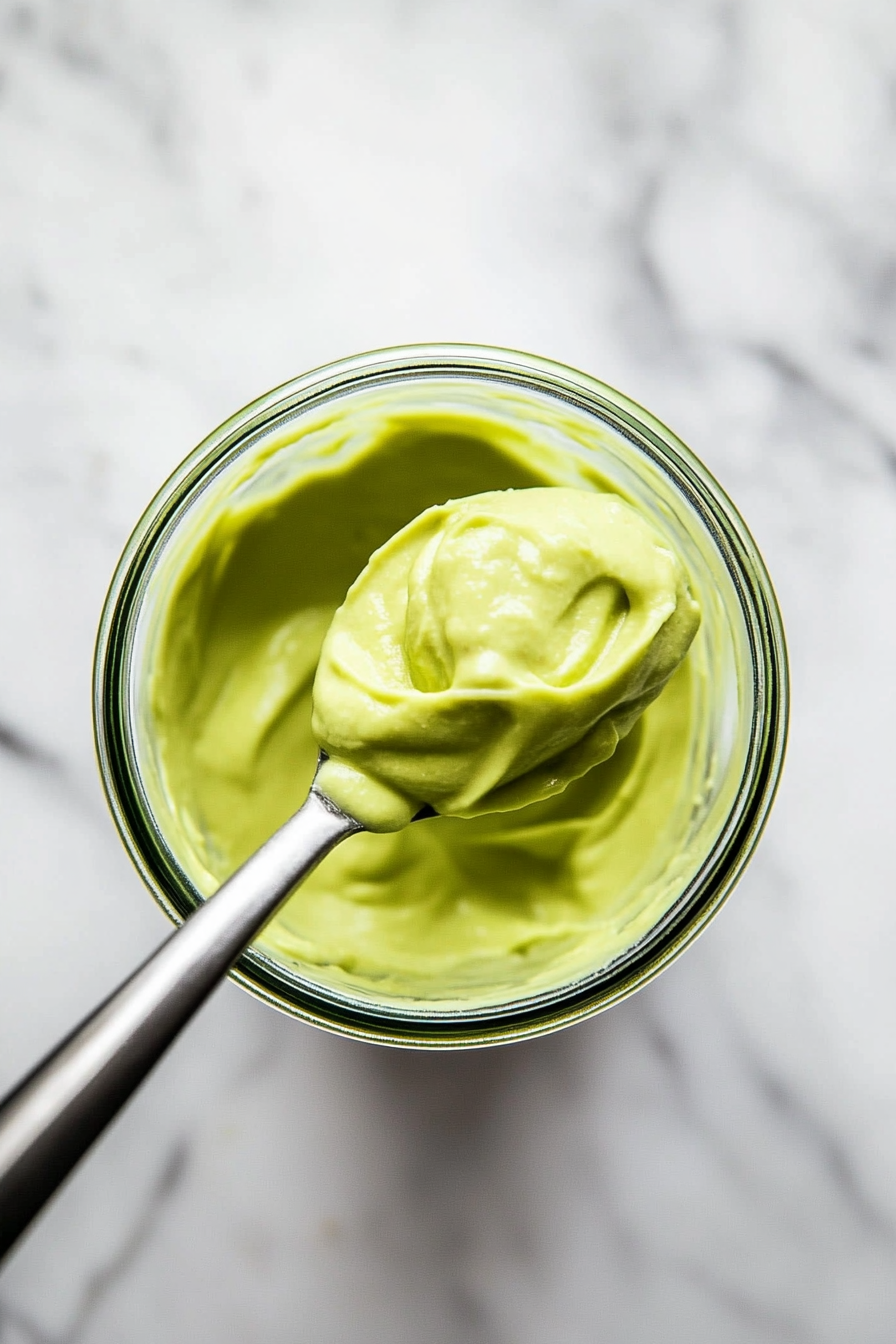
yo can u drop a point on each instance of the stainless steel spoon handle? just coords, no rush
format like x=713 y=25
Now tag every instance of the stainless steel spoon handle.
x=50 y=1120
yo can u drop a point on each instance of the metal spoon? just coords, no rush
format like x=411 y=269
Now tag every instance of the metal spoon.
x=52 y=1117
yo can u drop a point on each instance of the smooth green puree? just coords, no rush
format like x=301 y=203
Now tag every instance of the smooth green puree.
x=516 y=659
x=494 y=651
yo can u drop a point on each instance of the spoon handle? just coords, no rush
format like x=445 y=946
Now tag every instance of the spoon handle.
x=53 y=1116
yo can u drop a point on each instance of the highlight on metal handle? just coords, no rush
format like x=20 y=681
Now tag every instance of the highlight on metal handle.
x=52 y=1117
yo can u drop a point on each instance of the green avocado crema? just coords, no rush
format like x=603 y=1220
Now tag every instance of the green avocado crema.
x=496 y=649
x=513 y=654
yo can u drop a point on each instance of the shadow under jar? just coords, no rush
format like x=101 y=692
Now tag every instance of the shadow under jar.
x=274 y=514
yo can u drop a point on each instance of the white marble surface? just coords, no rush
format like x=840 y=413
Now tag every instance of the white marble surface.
x=694 y=200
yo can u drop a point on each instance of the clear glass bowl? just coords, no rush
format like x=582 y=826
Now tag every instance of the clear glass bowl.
x=743 y=707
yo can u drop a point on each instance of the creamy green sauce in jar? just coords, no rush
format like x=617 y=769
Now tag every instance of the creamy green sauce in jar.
x=482 y=907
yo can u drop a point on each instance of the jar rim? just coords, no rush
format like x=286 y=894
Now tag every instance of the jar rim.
x=256 y=970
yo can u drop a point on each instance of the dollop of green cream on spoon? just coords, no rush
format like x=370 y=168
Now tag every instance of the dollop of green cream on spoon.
x=493 y=651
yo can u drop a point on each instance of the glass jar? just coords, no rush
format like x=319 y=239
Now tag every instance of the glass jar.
x=744 y=701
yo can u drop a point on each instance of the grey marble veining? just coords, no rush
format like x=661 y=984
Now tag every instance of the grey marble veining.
x=696 y=202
